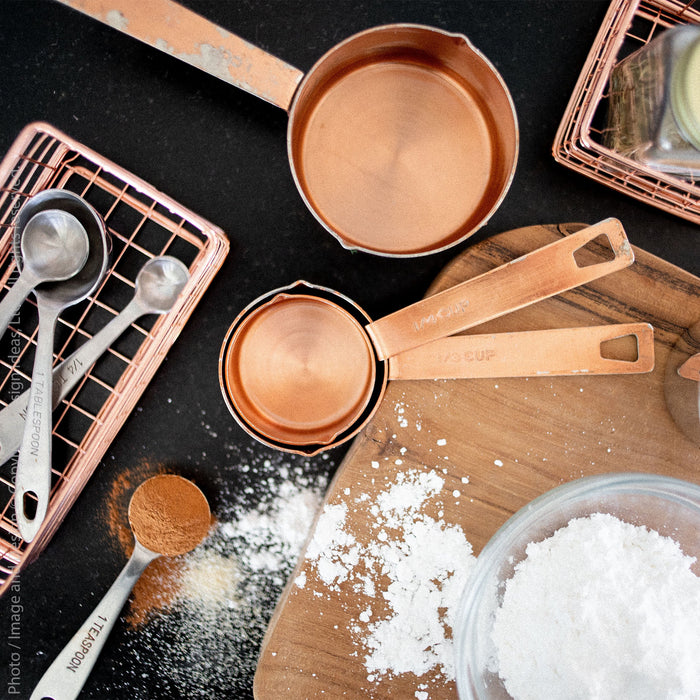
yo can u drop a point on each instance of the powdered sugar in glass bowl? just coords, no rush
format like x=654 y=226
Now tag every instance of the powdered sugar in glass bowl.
x=607 y=607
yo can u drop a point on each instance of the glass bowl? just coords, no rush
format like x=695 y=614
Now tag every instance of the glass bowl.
x=669 y=506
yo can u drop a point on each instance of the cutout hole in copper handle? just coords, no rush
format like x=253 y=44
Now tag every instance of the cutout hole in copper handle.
x=537 y=275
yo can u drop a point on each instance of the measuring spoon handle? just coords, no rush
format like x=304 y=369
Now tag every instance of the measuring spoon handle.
x=65 y=376
x=532 y=277
x=74 y=367
x=11 y=302
x=549 y=353
x=179 y=32
x=66 y=676
x=34 y=464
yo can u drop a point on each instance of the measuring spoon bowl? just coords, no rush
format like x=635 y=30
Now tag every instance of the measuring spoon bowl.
x=158 y=286
x=33 y=479
x=54 y=247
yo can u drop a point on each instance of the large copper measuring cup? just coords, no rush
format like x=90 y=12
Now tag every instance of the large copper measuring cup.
x=402 y=139
x=303 y=369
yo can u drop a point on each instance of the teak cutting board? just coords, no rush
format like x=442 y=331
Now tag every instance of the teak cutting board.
x=513 y=438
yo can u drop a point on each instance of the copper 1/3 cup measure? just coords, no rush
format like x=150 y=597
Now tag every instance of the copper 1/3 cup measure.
x=402 y=139
x=304 y=369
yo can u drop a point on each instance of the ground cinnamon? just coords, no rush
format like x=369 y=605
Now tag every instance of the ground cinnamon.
x=169 y=514
x=117 y=504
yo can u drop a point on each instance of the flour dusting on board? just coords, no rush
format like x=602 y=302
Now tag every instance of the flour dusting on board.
x=409 y=570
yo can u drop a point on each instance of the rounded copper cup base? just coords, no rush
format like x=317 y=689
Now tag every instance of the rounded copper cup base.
x=298 y=371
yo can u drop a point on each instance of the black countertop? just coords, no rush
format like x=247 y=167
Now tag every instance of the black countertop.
x=222 y=153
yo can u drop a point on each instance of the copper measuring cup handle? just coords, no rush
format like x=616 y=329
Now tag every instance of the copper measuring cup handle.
x=552 y=352
x=690 y=369
x=184 y=34
x=532 y=277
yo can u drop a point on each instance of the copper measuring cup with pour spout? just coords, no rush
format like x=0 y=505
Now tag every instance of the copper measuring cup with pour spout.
x=304 y=369
x=402 y=139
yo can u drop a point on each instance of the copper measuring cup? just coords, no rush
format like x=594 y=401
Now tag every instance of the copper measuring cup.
x=304 y=368
x=402 y=139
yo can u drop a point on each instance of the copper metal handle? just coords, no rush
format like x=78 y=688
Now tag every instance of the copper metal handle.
x=532 y=277
x=690 y=369
x=177 y=31
x=555 y=352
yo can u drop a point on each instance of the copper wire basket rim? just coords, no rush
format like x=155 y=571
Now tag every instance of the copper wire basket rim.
x=575 y=146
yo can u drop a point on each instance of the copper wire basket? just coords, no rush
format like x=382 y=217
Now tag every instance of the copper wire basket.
x=142 y=224
x=628 y=25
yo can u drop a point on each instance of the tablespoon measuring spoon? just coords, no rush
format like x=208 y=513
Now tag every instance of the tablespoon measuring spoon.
x=33 y=479
x=54 y=246
x=168 y=515
x=158 y=285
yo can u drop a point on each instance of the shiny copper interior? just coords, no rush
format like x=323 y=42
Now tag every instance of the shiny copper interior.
x=403 y=140
x=299 y=369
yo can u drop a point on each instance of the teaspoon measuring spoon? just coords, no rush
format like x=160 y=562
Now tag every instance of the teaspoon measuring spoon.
x=178 y=510
x=158 y=285
x=33 y=479
x=54 y=247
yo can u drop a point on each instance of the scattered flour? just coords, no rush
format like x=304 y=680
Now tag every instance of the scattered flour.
x=412 y=580
x=200 y=638
x=602 y=609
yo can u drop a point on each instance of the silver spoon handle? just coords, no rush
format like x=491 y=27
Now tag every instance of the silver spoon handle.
x=75 y=366
x=65 y=376
x=66 y=676
x=11 y=302
x=34 y=465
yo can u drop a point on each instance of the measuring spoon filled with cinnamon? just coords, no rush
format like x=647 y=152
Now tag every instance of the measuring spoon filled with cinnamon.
x=168 y=515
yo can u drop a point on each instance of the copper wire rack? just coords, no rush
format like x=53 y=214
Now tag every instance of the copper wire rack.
x=142 y=224
x=628 y=25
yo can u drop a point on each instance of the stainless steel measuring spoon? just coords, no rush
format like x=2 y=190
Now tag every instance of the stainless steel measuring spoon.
x=54 y=247
x=182 y=522
x=158 y=286
x=33 y=480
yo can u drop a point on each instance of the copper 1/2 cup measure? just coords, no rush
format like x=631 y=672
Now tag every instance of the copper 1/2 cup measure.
x=402 y=139
x=304 y=369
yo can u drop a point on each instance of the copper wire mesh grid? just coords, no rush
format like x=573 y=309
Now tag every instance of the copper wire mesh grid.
x=142 y=224
x=628 y=25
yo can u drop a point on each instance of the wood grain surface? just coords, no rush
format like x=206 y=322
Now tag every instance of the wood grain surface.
x=513 y=439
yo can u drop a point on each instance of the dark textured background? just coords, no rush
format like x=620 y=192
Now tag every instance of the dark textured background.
x=222 y=153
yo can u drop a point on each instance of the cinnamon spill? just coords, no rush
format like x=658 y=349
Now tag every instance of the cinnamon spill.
x=155 y=591
x=118 y=503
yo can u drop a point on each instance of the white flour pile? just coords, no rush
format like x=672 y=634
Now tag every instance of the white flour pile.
x=201 y=638
x=411 y=570
x=602 y=609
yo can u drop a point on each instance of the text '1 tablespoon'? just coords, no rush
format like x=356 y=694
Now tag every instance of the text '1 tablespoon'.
x=54 y=247
x=168 y=515
x=158 y=285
